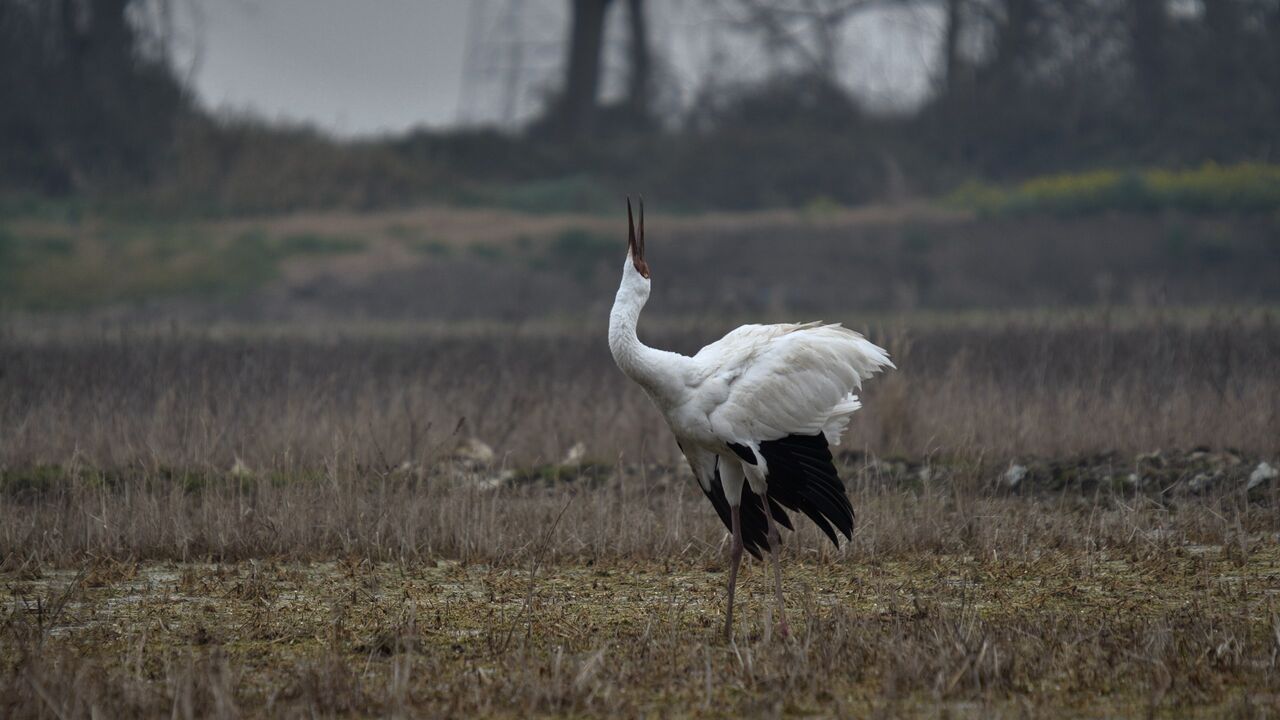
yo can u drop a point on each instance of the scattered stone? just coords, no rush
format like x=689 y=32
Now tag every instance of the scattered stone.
x=1200 y=483
x=1152 y=458
x=1014 y=475
x=474 y=451
x=240 y=470
x=1261 y=474
x=495 y=481
x=574 y=457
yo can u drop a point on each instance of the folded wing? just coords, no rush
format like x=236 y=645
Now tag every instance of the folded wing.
x=773 y=381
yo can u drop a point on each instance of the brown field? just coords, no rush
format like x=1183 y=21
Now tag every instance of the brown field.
x=182 y=399
x=301 y=523
x=383 y=465
x=598 y=591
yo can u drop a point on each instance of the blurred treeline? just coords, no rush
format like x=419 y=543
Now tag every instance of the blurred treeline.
x=91 y=106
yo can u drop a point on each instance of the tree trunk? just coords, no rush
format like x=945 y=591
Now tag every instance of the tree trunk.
x=951 y=48
x=578 y=104
x=1147 y=25
x=640 y=70
x=1014 y=43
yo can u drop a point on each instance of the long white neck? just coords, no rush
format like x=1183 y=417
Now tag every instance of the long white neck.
x=659 y=372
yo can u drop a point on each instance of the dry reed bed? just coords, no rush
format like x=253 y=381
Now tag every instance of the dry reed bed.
x=199 y=491
x=611 y=514
x=186 y=400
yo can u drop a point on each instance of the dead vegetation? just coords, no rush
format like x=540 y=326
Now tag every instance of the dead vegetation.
x=1049 y=631
x=190 y=404
x=1071 y=517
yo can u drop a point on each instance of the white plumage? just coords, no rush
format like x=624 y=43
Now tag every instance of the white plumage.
x=760 y=407
x=769 y=381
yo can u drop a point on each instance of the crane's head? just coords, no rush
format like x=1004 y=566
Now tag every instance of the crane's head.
x=635 y=247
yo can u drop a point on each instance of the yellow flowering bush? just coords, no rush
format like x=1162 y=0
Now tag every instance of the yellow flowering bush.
x=1244 y=187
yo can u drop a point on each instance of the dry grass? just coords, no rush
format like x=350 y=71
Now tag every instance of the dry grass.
x=197 y=525
x=476 y=513
x=1142 y=629
x=187 y=400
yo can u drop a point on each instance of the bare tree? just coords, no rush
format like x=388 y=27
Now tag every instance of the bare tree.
x=953 y=19
x=1147 y=29
x=576 y=109
x=640 y=60
x=806 y=33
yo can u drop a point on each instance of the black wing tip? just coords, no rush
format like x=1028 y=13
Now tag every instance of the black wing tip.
x=802 y=476
x=743 y=452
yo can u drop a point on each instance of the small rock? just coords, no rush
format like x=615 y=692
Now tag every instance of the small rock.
x=1199 y=483
x=1153 y=458
x=1014 y=475
x=1261 y=474
x=493 y=482
x=575 y=455
x=474 y=451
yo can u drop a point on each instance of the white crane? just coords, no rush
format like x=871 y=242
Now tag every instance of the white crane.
x=763 y=405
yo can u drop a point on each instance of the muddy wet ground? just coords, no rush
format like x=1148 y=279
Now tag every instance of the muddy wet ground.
x=1188 y=632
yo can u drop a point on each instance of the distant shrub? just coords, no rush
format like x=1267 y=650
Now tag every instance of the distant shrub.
x=579 y=252
x=485 y=251
x=133 y=262
x=1246 y=187
x=822 y=206
x=428 y=246
x=577 y=193
x=314 y=244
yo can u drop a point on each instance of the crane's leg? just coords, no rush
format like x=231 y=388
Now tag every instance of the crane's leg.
x=775 y=547
x=735 y=559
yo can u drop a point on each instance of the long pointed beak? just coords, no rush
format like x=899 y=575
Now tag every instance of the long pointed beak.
x=635 y=244
x=635 y=250
x=641 y=227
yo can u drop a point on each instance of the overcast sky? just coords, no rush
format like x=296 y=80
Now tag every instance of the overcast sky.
x=354 y=67
x=365 y=67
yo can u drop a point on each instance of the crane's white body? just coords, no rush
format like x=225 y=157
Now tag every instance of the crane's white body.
x=757 y=383
x=762 y=407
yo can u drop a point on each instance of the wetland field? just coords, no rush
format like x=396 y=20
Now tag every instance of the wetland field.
x=345 y=477
x=201 y=525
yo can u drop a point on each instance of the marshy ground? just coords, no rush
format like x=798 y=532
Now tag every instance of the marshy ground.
x=1063 y=596
x=1061 y=633
x=317 y=466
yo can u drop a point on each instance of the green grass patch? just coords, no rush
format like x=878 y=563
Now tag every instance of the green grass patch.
x=573 y=194
x=130 y=262
x=1211 y=188
x=485 y=251
x=431 y=247
x=578 y=252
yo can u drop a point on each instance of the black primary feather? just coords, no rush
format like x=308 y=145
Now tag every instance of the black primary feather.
x=802 y=477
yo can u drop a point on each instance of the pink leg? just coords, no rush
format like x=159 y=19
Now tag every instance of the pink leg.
x=735 y=559
x=775 y=547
